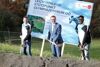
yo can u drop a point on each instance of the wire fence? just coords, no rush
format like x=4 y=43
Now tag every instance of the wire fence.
x=14 y=37
x=9 y=37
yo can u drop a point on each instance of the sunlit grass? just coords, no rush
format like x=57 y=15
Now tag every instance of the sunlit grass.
x=9 y=48
x=69 y=51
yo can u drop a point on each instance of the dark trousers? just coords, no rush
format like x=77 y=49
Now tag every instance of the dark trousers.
x=27 y=48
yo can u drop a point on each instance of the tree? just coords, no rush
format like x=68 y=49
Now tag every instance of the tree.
x=11 y=13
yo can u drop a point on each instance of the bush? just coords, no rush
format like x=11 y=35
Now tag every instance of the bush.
x=2 y=38
x=9 y=21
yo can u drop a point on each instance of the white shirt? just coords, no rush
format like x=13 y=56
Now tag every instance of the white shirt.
x=81 y=33
x=53 y=26
x=24 y=29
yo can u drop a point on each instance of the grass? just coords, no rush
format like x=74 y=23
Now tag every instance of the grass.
x=69 y=51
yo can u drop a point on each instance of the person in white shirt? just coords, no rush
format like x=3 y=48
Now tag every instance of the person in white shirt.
x=26 y=37
x=84 y=38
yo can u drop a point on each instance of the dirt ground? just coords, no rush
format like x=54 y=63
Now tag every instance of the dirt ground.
x=13 y=60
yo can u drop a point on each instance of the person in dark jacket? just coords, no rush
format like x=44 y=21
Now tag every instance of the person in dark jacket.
x=26 y=37
x=84 y=38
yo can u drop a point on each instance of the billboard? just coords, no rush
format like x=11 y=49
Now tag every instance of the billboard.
x=66 y=11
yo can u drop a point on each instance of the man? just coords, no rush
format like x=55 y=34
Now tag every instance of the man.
x=84 y=38
x=26 y=37
x=54 y=35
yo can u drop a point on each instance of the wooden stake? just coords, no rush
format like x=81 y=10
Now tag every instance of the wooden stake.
x=62 y=51
x=42 y=47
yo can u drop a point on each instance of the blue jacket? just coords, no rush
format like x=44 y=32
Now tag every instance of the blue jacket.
x=55 y=35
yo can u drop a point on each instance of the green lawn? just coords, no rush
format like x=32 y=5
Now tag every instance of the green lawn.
x=69 y=51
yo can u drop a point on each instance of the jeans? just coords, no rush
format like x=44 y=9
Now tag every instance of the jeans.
x=56 y=50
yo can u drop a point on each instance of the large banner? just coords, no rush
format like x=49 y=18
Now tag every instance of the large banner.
x=66 y=11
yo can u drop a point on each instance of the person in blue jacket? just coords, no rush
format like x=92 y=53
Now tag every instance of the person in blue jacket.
x=54 y=35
